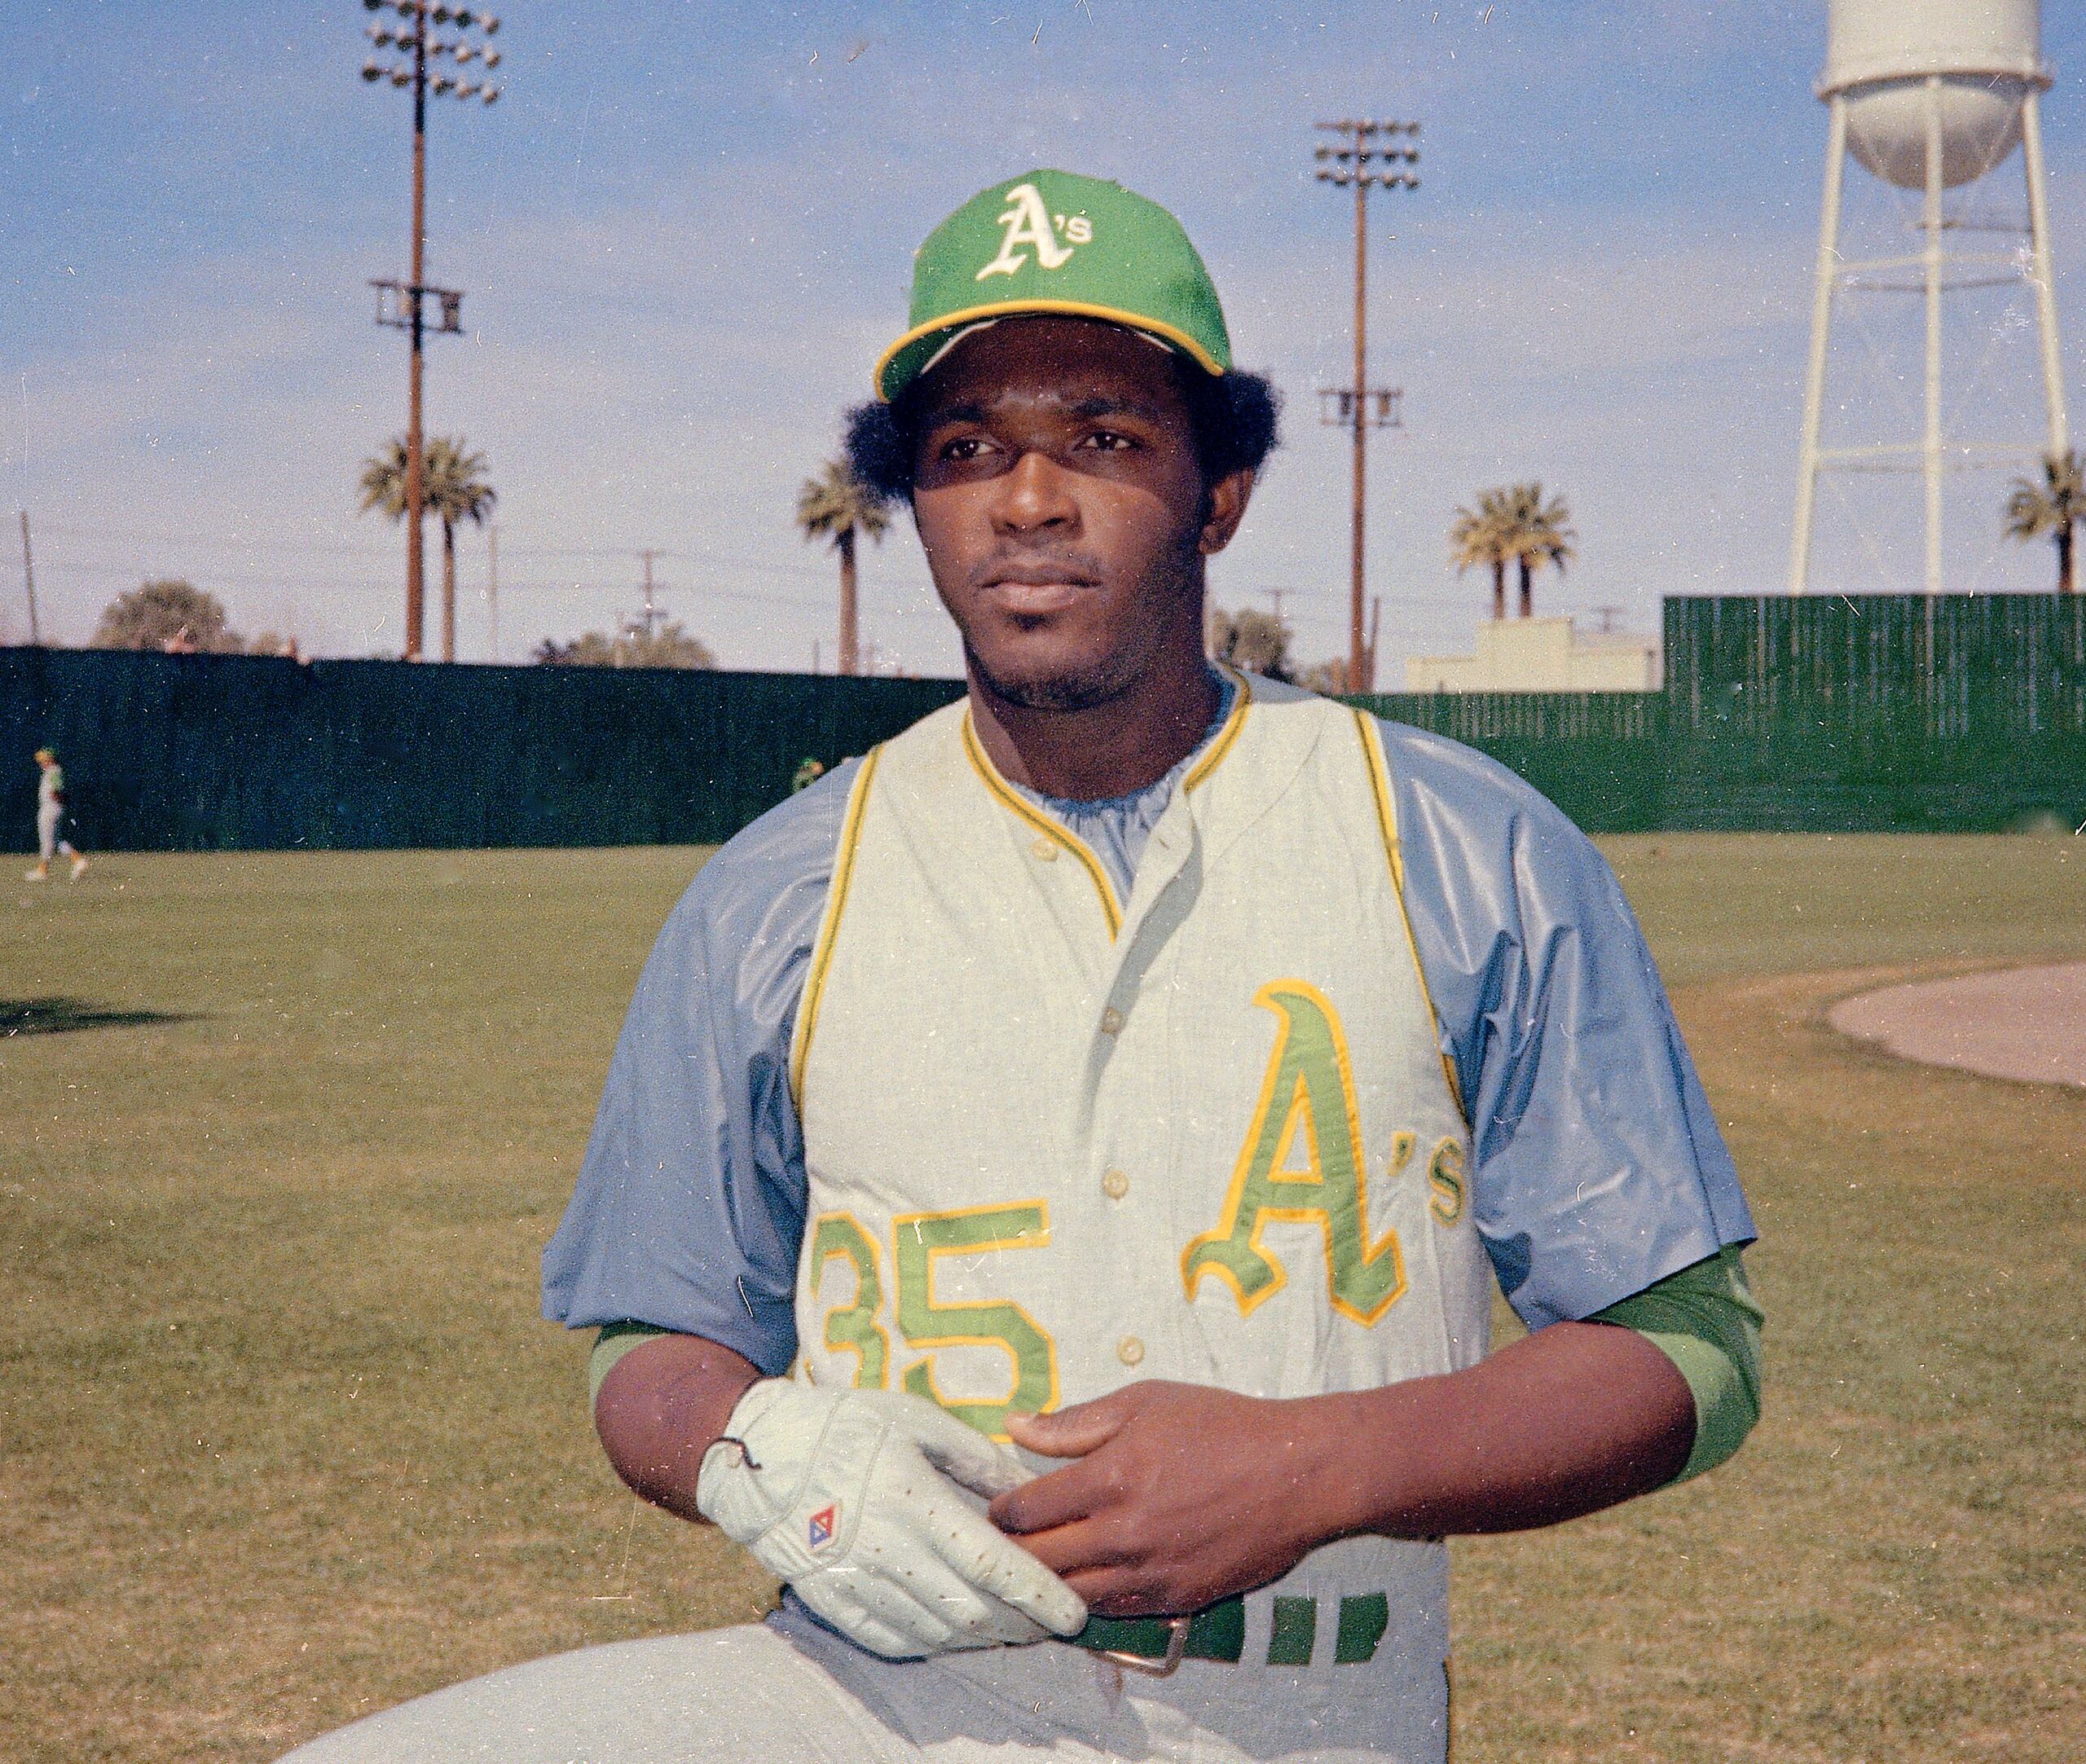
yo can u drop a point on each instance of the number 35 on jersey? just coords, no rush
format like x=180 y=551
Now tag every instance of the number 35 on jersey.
x=1302 y=1163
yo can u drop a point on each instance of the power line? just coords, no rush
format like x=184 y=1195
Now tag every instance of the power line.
x=508 y=586
x=302 y=547
x=716 y=559
x=129 y=571
x=1305 y=608
x=377 y=554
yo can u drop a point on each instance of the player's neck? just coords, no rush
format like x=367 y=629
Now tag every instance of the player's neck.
x=1110 y=749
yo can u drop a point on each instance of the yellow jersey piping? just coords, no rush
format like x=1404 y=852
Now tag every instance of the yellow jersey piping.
x=843 y=872
x=1387 y=821
x=1073 y=309
x=981 y=763
x=1226 y=736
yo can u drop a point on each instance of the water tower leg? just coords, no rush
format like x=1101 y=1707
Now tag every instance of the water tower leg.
x=1821 y=325
x=1932 y=223
x=2045 y=280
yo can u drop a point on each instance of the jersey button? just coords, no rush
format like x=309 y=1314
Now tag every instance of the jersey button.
x=1044 y=849
x=1129 y=1350
x=1114 y=1185
x=1111 y=1021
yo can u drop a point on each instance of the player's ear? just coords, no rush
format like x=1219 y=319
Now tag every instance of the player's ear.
x=1226 y=508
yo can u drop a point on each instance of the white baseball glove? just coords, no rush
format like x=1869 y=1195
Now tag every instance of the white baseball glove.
x=857 y=1499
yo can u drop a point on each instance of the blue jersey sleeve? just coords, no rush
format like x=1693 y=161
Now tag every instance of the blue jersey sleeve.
x=689 y=1209
x=1598 y=1167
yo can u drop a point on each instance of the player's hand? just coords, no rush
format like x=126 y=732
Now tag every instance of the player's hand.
x=871 y=1505
x=1181 y=1495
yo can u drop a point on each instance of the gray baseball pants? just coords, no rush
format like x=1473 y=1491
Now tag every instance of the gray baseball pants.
x=50 y=817
x=787 y=1691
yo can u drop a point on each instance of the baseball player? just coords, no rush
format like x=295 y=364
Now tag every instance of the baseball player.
x=1049 y=1190
x=50 y=817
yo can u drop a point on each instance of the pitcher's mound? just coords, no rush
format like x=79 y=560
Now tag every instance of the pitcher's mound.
x=2020 y=1022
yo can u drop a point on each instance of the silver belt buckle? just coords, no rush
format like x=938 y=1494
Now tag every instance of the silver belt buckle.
x=1164 y=1668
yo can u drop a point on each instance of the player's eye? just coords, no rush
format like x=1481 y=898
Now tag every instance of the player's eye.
x=1108 y=440
x=962 y=448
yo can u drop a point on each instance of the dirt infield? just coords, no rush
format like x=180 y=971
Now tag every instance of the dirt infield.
x=2027 y=1023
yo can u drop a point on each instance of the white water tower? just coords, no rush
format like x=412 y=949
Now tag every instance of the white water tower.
x=1930 y=95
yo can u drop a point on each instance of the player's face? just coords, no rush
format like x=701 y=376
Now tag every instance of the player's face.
x=1063 y=512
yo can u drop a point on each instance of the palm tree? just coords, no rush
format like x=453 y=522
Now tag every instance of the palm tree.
x=453 y=489
x=454 y=483
x=1483 y=535
x=832 y=506
x=1542 y=533
x=382 y=489
x=2054 y=507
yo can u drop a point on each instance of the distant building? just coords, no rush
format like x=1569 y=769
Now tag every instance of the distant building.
x=1540 y=655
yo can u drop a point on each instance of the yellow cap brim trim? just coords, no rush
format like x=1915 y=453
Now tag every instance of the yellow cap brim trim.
x=1070 y=309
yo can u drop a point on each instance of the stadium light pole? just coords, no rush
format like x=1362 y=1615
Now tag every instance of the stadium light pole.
x=400 y=304
x=1361 y=406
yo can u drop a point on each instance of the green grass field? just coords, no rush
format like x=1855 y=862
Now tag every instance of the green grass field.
x=282 y=1440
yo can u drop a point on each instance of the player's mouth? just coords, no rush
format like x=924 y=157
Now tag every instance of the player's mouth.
x=1037 y=590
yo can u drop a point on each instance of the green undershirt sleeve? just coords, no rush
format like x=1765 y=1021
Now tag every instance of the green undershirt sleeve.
x=610 y=1344
x=1705 y=1320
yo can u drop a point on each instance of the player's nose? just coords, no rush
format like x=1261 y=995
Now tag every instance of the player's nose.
x=1035 y=495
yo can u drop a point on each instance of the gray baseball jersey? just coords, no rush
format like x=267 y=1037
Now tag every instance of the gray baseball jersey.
x=1528 y=1052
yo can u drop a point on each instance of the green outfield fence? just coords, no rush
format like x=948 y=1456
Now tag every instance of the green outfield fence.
x=1885 y=711
x=1965 y=713
x=1831 y=713
x=1597 y=754
x=237 y=753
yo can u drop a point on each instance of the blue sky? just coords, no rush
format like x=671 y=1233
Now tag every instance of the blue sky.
x=685 y=231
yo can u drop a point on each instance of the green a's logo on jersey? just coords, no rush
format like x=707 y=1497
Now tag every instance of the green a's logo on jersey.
x=1307 y=1104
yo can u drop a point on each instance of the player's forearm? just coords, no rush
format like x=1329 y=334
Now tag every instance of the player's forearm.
x=1175 y=1495
x=1576 y=1418
x=662 y=1406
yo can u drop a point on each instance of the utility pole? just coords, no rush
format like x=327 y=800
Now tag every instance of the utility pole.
x=401 y=305
x=1361 y=406
x=645 y=625
x=28 y=582
x=651 y=612
x=492 y=588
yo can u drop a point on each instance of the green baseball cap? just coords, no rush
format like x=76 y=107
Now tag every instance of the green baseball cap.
x=1055 y=242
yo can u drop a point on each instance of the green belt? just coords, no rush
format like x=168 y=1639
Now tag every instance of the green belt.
x=1218 y=1632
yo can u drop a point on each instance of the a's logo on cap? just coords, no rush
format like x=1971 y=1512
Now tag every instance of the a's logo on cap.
x=824 y=1523
x=1028 y=223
